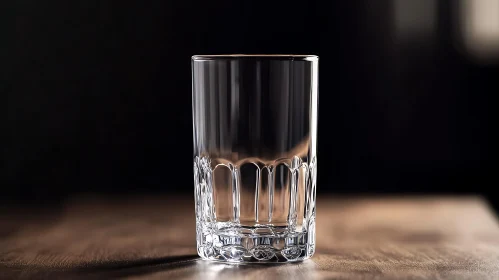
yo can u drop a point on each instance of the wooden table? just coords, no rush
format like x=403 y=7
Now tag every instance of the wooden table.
x=153 y=238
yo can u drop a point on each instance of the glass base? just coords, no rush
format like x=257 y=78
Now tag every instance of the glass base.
x=267 y=244
x=275 y=223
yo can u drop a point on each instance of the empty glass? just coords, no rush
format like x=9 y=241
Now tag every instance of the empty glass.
x=255 y=142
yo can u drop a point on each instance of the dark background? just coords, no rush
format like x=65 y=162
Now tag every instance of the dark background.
x=99 y=92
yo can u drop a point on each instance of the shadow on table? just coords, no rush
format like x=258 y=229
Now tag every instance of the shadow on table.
x=178 y=267
x=98 y=270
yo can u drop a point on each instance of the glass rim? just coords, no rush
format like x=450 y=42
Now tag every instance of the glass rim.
x=293 y=57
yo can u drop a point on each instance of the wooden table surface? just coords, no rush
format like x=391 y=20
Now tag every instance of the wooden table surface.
x=154 y=238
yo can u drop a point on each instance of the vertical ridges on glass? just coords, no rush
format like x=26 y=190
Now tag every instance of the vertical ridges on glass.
x=271 y=188
x=257 y=192
x=236 y=194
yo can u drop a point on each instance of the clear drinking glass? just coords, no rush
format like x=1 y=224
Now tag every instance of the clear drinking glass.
x=255 y=163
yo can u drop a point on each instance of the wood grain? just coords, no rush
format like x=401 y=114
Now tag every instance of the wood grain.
x=154 y=238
